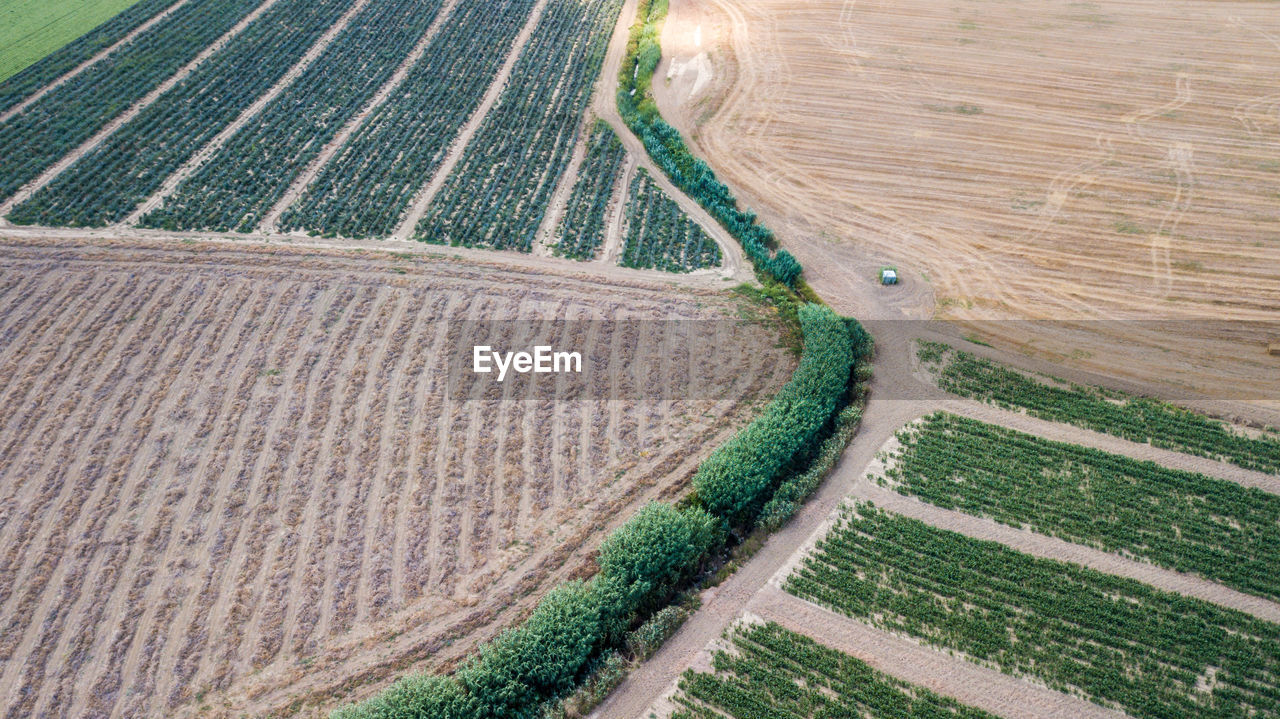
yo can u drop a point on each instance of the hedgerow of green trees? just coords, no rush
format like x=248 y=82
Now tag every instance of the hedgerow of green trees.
x=1139 y=419
x=774 y=673
x=669 y=152
x=30 y=79
x=1116 y=641
x=33 y=140
x=642 y=563
x=1181 y=520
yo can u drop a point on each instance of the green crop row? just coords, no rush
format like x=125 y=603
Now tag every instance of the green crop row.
x=641 y=564
x=365 y=189
x=774 y=673
x=1181 y=520
x=237 y=187
x=530 y=133
x=582 y=229
x=660 y=235
x=669 y=152
x=1139 y=419
x=1116 y=641
x=119 y=174
x=30 y=79
x=33 y=140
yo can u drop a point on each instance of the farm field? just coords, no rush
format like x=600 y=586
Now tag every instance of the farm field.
x=581 y=234
x=768 y=671
x=34 y=29
x=1134 y=418
x=1181 y=520
x=1028 y=159
x=1115 y=641
x=530 y=131
x=659 y=234
x=243 y=489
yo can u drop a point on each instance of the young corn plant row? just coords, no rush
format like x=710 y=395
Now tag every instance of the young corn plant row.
x=660 y=235
x=1138 y=419
x=367 y=186
x=773 y=672
x=1115 y=641
x=106 y=184
x=257 y=165
x=1180 y=520
x=582 y=229
x=530 y=133
x=37 y=75
x=33 y=140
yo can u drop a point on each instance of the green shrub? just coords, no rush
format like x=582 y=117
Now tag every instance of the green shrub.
x=736 y=478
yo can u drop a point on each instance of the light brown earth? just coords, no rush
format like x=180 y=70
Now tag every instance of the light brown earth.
x=1021 y=159
x=232 y=483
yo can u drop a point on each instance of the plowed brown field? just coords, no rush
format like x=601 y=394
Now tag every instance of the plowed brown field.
x=230 y=482
x=1024 y=159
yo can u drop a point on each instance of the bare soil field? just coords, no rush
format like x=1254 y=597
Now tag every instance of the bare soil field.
x=1024 y=159
x=231 y=484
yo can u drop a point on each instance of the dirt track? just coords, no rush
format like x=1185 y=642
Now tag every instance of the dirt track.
x=232 y=478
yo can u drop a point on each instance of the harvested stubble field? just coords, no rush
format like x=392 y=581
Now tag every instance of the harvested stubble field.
x=230 y=482
x=1021 y=159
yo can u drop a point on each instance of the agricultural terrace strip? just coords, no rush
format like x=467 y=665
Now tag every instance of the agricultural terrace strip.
x=1180 y=520
x=660 y=235
x=30 y=79
x=255 y=168
x=57 y=123
x=530 y=133
x=245 y=480
x=582 y=230
x=365 y=189
x=106 y=185
x=1138 y=419
x=770 y=672
x=1115 y=641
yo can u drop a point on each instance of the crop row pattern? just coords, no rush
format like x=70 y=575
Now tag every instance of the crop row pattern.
x=30 y=79
x=1139 y=419
x=581 y=232
x=660 y=235
x=1116 y=641
x=1181 y=520
x=364 y=190
x=529 y=133
x=774 y=672
x=40 y=135
x=106 y=185
x=255 y=168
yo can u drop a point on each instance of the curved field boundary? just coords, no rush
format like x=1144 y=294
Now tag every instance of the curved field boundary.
x=31 y=83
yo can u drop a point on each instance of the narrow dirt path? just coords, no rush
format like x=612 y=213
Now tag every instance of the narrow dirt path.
x=271 y=221
x=617 y=214
x=559 y=202
x=34 y=186
x=969 y=683
x=212 y=147
x=735 y=264
x=418 y=206
x=17 y=109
